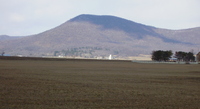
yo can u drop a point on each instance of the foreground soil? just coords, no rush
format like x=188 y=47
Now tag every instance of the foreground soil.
x=90 y=84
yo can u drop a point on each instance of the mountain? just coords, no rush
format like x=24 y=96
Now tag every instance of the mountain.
x=93 y=35
x=110 y=22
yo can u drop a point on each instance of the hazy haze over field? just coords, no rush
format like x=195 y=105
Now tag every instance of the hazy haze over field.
x=22 y=17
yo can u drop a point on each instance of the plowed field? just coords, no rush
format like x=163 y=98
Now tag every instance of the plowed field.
x=90 y=84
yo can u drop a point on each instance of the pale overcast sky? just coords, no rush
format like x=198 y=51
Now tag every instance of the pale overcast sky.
x=27 y=17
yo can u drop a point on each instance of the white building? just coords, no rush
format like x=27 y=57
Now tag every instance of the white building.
x=110 y=57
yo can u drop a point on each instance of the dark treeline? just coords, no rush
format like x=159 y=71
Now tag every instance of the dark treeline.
x=161 y=55
x=184 y=56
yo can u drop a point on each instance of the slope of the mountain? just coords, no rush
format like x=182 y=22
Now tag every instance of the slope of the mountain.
x=191 y=35
x=91 y=35
x=6 y=37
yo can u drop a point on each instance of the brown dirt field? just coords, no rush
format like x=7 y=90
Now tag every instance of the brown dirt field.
x=90 y=84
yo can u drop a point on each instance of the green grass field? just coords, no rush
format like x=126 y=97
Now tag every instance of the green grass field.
x=84 y=84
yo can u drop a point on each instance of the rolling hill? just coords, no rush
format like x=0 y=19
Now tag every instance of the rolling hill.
x=93 y=36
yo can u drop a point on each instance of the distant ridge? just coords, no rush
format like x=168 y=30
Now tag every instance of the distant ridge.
x=99 y=36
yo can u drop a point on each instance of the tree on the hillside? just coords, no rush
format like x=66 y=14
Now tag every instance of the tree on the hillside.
x=161 y=55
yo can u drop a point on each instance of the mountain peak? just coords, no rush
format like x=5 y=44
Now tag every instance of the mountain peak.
x=106 y=20
x=116 y=23
x=88 y=17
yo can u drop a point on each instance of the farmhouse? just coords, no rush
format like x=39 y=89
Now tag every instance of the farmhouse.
x=198 y=57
